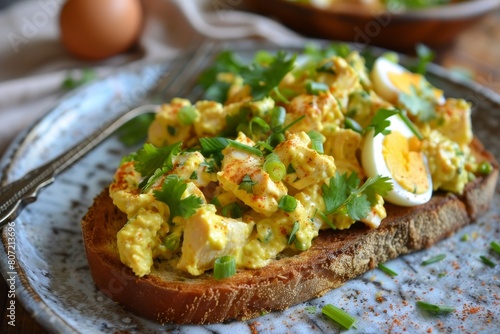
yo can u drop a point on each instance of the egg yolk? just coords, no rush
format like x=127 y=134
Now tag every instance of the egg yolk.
x=405 y=162
x=403 y=82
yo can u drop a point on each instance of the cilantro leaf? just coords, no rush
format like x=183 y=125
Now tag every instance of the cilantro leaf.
x=214 y=89
x=148 y=182
x=380 y=123
x=344 y=195
x=247 y=184
x=149 y=158
x=358 y=207
x=171 y=193
x=425 y=56
x=135 y=131
x=263 y=79
x=420 y=102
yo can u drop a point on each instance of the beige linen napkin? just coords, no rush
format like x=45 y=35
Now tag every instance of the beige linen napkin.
x=33 y=63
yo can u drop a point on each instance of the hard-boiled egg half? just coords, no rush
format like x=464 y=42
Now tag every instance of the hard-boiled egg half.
x=390 y=79
x=397 y=155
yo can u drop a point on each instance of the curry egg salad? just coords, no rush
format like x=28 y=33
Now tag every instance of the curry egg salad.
x=281 y=148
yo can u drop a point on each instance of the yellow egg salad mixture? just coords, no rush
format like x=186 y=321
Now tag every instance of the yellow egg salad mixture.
x=282 y=147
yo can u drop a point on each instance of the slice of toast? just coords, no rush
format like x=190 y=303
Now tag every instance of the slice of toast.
x=336 y=256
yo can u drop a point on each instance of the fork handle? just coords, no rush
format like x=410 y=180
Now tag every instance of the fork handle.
x=23 y=191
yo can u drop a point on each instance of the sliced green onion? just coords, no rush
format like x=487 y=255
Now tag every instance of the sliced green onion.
x=187 y=115
x=316 y=88
x=316 y=141
x=274 y=167
x=339 y=315
x=287 y=203
x=326 y=68
x=484 y=168
x=410 y=124
x=290 y=169
x=247 y=184
x=244 y=147
x=464 y=237
x=349 y=123
x=487 y=261
x=310 y=309
x=213 y=145
x=277 y=120
x=215 y=201
x=295 y=228
x=434 y=259
x=224 y=267
x=276 y=138
x=495 y=246
x=387 y=270
x=257 y=125
x=435 y=308
x=194 y=175
x=172 y=241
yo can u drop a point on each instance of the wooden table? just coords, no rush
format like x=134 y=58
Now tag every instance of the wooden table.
x=477 y=51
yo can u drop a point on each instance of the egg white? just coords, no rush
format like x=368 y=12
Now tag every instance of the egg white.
x=383 y=85
x=374 y=164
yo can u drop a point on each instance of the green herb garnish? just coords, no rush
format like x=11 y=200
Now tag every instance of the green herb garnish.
x=435 y=308
x=434 y=259
x=339 y=315
x=387 y=270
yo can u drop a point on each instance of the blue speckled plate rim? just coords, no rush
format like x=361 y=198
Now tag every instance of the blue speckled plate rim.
x=40 y=311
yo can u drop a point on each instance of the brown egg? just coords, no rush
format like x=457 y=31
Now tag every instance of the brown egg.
x=96 y=29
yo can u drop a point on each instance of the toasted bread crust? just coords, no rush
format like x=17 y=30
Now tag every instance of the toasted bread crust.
x=334 y=258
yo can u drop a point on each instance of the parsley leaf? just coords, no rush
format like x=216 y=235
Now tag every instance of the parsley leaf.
x=344 y=196
x=380 y=123
x=263 y=79
x=149 y=158
x=420 y=102
x=171 y=193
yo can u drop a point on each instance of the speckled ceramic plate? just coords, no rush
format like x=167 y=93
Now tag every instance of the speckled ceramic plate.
x=54 y=283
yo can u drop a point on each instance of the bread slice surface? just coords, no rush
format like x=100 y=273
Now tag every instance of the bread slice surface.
x=335 y=257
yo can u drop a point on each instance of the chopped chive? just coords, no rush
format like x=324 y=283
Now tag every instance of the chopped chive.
x=194 y=175
x=187 y=115
x=297 y=120
x=274 y=167
x=495 y=246
x=290 y=169
x=464 y=237
x=287 y=203
x=295 y=228
x=326 y=220
x=316 y=141
x=387 y=270
x=487 y=261
x=339 y=315
x=443 y=274
x=244 y=147
x=224 y=267
x=316 y=88
x=435 y=308
x=410 y=124
x=434 y=259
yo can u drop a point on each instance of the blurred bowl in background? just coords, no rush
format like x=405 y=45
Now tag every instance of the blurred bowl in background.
x=398 y=30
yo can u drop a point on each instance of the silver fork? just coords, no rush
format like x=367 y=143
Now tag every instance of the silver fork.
x=16 y=195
